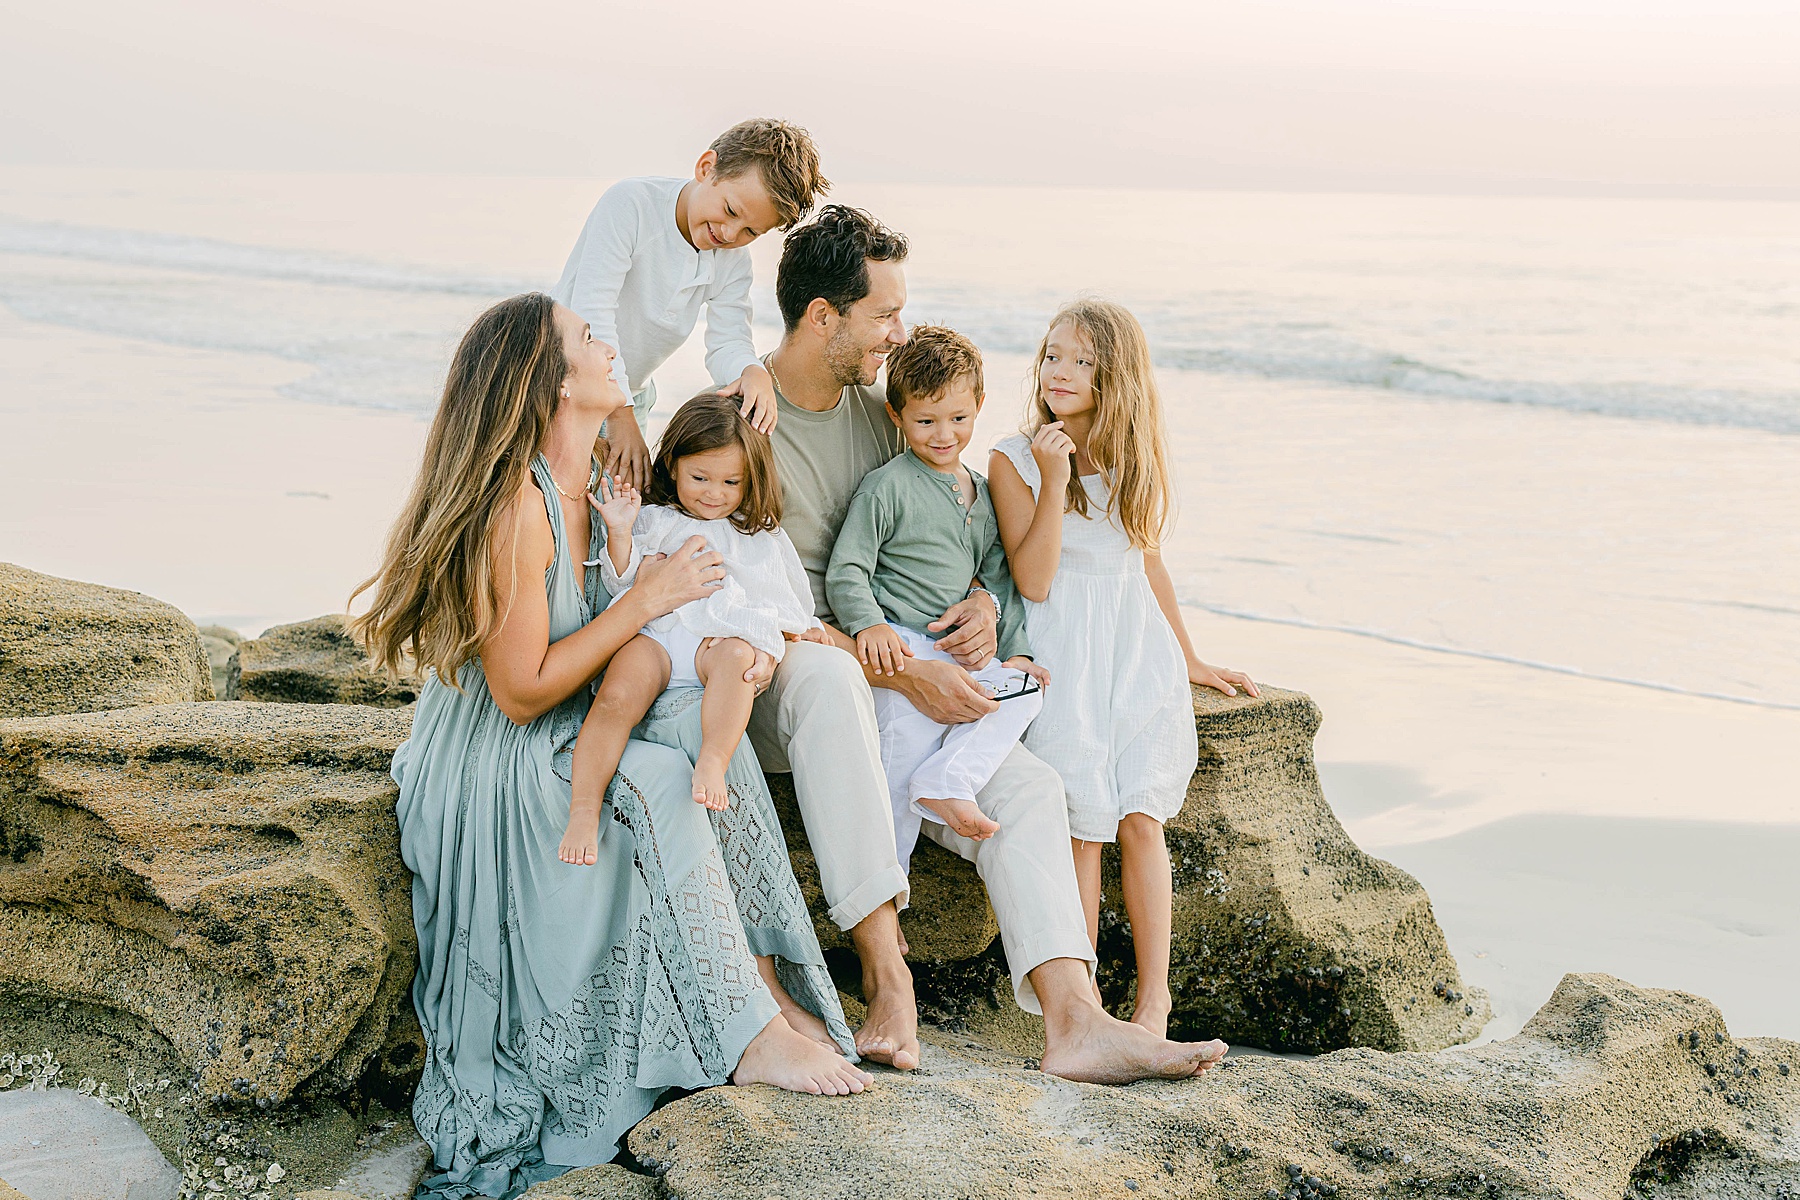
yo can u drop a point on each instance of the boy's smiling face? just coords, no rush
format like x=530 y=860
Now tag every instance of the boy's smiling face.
x=724 y=214
x=937 y=428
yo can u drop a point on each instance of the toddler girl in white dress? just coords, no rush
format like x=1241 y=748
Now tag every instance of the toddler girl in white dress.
x=1081 y=504
x=714 y=476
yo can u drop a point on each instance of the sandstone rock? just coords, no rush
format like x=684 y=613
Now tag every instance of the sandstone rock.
x=1286 y=934
x=1608 y=1085
x=220 y=644
x=67 y=646
x=8 y=1192
x=608 y=1182
x=313 y=662
x=226 y=877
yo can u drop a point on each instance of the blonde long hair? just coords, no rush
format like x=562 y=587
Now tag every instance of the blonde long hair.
x=1128 y=441
x=436 y=599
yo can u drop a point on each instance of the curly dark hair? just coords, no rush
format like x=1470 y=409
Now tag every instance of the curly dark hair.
x=828 y=258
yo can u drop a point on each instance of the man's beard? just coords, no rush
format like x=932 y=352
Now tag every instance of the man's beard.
x=845 y=360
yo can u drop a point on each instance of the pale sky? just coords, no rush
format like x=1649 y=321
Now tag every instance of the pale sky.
x=1668 y=97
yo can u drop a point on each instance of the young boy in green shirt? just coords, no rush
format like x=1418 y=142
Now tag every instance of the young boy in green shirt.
x=918 y=531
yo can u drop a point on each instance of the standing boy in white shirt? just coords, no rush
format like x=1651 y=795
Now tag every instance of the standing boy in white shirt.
x=655 y=250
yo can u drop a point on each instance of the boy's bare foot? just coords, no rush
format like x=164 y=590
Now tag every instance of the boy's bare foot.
x=709 y=785
x=890 y=1031
x=581 y=840
x=1101 y=1049
x=1152 y=1012
x=965 y=817
x=796 y=1063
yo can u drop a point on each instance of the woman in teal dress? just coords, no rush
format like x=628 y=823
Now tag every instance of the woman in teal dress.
x=559 y=1001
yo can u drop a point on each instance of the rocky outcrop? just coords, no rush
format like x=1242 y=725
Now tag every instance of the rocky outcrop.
x=1608 y=1087
x=67 y=646
x=313 y=662
x=1287 y=935
x=223 y=877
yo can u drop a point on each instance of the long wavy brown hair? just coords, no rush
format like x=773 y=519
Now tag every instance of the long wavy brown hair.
x=1128 y=441
x=436 y=600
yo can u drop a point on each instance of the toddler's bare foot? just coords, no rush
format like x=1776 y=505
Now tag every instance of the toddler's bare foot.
x=1152 y=1012
x=796 y=1063
x=581 y=840
x=709 y=785
x=809 y=1027
x=964 y=817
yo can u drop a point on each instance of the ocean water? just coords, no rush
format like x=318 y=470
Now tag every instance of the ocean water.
x=1559 y=433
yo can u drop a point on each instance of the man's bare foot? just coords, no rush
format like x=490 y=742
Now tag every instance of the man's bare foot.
x=1100 y=1049
x=796 y=1063
x=810 y=1027
x=890 y=1031
x=709 y=785
x=964 y=817
x=1152 y=1012
x=581 y=840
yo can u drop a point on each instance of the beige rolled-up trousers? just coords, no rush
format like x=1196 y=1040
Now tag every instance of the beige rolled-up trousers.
x=818 y=720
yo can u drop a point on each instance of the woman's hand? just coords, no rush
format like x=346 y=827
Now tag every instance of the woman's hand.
x=1053 y=450
x=1220 y=679
x=617 y=504
x=757 y=387
x=627 y=458
x=666 y=582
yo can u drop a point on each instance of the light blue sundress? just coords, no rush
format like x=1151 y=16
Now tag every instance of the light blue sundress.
x=559 y=1001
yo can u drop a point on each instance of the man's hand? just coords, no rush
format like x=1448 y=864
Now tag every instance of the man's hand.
x=1019 y=662
x=880 y=648
x=627 y=458
x=976 y=636
x=757 y=387
x=942 y=691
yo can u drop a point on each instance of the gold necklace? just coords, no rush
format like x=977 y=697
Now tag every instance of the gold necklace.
x=559 y=487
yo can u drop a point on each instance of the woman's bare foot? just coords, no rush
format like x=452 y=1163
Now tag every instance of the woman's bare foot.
x=964 y=817
x=581 y=840
x=796 y=1063
x=709 y=784
x=810 y=1027
x=1152 y=1012
x=890 y=1031
x=1100 y=1049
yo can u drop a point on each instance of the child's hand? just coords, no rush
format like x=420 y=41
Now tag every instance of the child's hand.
x=1220 y=679
x=814 y=635
x=757 y=387
x=1051 y=447
x=1019 y=662
x=626 y=454
x=620 y=505
x=880 y=647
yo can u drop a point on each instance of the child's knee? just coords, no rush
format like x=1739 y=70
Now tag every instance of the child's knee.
x=1140 y=829
x=730 y=654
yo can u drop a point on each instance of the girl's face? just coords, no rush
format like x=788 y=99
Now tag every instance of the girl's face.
x=710 y=485
x=589 y=383
x=1066 y=376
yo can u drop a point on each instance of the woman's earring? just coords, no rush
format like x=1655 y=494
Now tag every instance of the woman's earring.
x=565 y=391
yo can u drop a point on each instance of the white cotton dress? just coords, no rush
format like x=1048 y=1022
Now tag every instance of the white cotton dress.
x=1118 y=718
x=765 y=593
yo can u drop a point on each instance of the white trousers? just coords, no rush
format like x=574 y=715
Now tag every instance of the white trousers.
x=818 y=721
x=928 y=761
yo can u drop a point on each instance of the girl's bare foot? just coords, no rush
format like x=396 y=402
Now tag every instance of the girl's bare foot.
x=965 y=817
x=1152 y=1012
x=709 y=785
x=810 y=1027
x=581 y=840
x=795 y=1063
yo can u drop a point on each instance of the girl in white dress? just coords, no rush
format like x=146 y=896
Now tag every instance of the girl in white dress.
x=713 y=481
x=1082 y=499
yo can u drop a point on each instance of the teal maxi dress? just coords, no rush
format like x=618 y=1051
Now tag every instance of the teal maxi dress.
x=558 y=1002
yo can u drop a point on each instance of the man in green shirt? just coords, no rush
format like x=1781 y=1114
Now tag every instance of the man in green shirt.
x=841 y=288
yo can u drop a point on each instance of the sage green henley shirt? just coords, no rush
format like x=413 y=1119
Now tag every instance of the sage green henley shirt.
x=907 y=549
